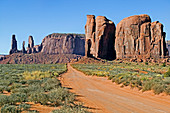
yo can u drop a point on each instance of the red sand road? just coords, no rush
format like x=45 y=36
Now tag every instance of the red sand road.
x=103 y=96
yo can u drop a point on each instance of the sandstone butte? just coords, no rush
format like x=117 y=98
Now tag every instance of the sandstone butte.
x=100 y=37
x=138 y=37
x=55 y=43
x=135 y=37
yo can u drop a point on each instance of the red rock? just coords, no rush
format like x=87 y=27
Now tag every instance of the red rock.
x=63 y=44
x=137 y=37
x=100 y=37
x=13 y=45
x=158 y=46
x=30 y=42
x=23 y=47
x=90 y=36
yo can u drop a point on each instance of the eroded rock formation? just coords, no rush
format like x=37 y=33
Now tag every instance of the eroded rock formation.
x=13 y=45
x=30 y=42
x=63 y=44
x=100 y=37
x=30 y=48
x=137 y=37
x=33 y=48
x=55 y=43
x=23 y=47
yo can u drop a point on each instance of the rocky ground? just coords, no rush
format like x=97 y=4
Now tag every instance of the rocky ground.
x=39 y=58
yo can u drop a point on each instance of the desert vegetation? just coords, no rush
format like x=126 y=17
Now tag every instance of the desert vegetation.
x=142 y=76
x=22 y=84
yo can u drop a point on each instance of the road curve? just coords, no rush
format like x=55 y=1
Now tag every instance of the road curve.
x=103 y=96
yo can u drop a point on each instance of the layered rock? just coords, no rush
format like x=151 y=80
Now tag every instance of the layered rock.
x=13 y=45
x=63 y=44
x=55 y=43
x=137 y=37
x=100 y=37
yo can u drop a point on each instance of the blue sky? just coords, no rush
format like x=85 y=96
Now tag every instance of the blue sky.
x=42 y=17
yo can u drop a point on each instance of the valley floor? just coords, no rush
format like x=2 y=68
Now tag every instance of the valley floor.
x=103 y=96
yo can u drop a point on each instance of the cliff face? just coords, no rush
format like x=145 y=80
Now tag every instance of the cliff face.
x=55 y=43
x=100 y=37
x=63 y=44
x=138 y=37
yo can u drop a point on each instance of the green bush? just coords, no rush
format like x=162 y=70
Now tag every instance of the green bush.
x=167 y=90
x=10 y=109
x=50 y=84
x=158 y=88
x=167 y=74
x=164 y=64
x=24 y=107
x=71 y=109
x=3 y=100
x=60 y=95
x=146 y=63
x=32 y=111
x=39 y=98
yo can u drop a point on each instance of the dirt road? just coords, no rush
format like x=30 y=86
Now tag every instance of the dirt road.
x=103 y=96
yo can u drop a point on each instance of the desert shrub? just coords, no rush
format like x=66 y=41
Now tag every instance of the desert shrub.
x=146 y=63
x=2 y=89
x=7 y=108
x=57 y=96
x=5 y=82
x=167 y=90
x=24 y=107
x=10 y=109
x=111 y=77
x=136 y=82
x=16 y=85
x=167 y=80
x=32 y=82
x=3 y=100
x=23 y=81
x=147 y=85
x=20 y=90
x=39 y=98
x=164 y=64
x=71 y=109
x=21 y=97
x=156 y=84
x=13 y=99
x=35 y=75
x=167 y=74
x=158 y=88
x=50 y=84
x=32 y=111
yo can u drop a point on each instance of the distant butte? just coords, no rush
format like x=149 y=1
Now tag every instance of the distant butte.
x=55 y=43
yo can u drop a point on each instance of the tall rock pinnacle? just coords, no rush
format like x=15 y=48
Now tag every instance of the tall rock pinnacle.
x=100 y=37
x=13 y=45
x=30 y=42
x=23 y=47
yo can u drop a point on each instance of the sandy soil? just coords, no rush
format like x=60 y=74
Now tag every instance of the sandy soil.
x=103 y=96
